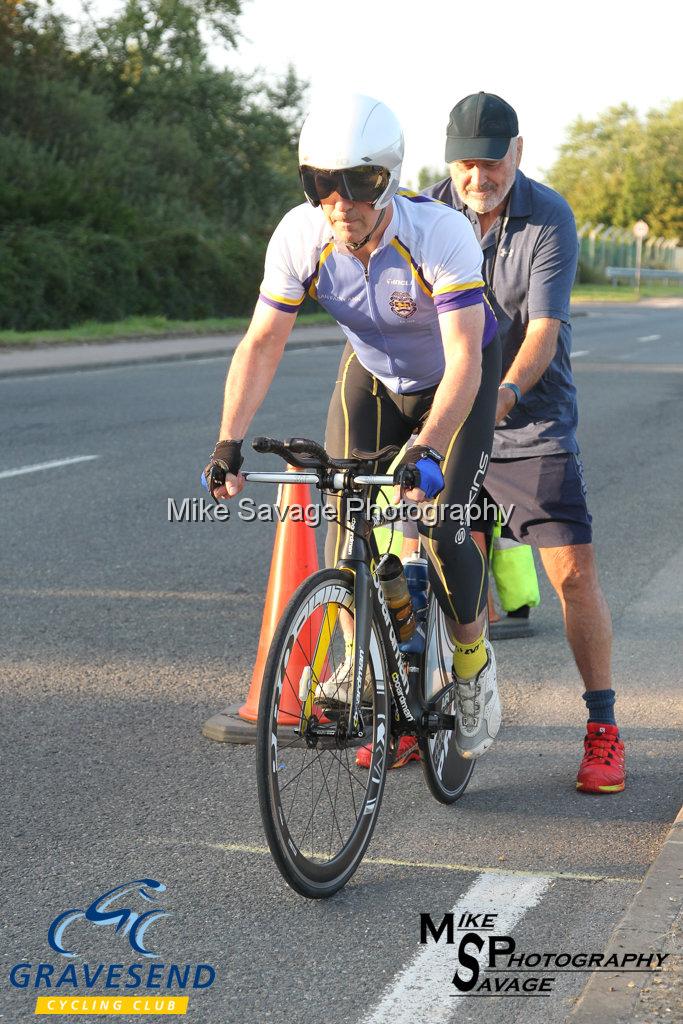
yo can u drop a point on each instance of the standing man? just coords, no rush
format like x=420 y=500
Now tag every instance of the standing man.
x=528 y=236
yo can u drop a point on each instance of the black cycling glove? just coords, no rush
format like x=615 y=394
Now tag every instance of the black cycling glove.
x=420 y=467
x=225 y=458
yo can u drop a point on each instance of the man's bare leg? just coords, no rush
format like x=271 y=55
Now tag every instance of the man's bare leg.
x=572 y=570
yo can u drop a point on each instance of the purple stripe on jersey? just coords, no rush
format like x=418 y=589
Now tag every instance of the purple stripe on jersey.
x=458 y=300
x=309 y=280
x=418 y=270
x=469 y=297
x=490 y=325
x=279 y=305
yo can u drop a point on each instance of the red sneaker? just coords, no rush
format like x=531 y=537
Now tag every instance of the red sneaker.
x=408 y=750
x=364 y=755
x=603 y=767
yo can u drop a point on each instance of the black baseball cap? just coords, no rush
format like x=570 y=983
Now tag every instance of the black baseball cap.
x=480 y=128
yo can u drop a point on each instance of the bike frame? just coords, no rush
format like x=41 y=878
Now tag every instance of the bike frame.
x=411 y=712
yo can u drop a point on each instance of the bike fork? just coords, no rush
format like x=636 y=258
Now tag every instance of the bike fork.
x=362 y=623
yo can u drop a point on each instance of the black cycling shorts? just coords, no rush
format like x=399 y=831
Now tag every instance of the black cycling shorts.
x=365 y=414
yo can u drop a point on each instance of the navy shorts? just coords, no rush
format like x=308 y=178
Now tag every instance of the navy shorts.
x=549 y=498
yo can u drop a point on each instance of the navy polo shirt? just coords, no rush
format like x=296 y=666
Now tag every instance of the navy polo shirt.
x=530 y=257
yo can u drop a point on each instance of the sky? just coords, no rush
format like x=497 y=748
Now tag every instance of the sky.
x=552 y=62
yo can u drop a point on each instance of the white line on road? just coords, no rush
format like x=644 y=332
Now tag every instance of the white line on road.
x=46 y=465
x=423 y=990
x=581 y=352
x=650 y=337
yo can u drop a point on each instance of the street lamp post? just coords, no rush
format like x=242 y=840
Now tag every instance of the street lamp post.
x=641 y=231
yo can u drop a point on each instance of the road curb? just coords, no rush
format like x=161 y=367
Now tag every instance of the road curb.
x=646 y=927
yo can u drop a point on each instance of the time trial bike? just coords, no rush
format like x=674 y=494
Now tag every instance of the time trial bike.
x=338 y=666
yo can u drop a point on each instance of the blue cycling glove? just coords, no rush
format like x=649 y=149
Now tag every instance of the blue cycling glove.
x=420 y=467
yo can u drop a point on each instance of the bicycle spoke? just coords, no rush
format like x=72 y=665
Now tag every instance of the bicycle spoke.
x=309 y=765
x=296 y=788
x=336 y=794
x=332 y=804
x=360 y=780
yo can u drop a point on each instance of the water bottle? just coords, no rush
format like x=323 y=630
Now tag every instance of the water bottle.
x=417 y=577
x=392 y=578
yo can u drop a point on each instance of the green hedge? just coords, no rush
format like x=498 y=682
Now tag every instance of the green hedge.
x=53 y=278
x=135 y=185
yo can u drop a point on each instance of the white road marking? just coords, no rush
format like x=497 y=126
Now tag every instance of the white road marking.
x=46 y=465
x=581 y=352
x=650 y=337
x=423 y=991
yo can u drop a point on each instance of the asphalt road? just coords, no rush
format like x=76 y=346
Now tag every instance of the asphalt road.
x=121 y=633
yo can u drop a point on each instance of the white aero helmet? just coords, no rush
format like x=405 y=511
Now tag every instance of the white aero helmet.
x=351 y=133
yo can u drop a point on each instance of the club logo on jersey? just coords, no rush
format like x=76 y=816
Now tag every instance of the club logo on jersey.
x=402 y=304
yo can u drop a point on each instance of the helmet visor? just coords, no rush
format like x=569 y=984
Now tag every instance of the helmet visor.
x=359 y=184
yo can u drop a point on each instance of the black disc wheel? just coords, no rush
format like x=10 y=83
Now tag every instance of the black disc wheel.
x=446 y=771
x=318 y=807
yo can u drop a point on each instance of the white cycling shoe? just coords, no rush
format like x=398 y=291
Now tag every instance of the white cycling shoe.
x=337 y=689
x=478 y=711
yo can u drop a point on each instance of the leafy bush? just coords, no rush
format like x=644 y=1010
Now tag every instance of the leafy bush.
x=135 y=178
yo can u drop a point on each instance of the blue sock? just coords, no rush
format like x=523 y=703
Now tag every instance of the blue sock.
x=600 y=704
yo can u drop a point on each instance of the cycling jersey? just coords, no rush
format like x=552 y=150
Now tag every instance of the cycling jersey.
x=429 y=262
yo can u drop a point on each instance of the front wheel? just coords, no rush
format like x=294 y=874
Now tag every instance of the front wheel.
x=447 y=773
x=318 y=809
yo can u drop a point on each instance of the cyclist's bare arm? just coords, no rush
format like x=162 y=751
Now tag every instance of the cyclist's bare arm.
x=251 y=372
x=461 y=332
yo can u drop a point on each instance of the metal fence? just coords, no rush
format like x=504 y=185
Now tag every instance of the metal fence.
x=601 y=247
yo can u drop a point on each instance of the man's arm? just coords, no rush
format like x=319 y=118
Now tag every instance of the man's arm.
x=551 y=278
x=251 y=372
x=532 y=360
x=461 y=333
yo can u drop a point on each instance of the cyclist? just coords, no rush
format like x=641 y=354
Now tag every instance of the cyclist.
x=401 y=274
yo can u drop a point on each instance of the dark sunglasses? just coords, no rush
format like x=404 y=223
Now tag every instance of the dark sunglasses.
x=359 y=184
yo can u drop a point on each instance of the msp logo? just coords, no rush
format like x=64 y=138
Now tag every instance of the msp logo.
x=112 y=988
x=488 y=963
x=402 y=304
x=126 y=921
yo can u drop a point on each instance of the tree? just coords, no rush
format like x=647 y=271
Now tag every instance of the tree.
x=429 y=175
x=135 y=177
x=620 y=168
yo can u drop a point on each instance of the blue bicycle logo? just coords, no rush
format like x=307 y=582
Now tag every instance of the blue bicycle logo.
x=126 y=921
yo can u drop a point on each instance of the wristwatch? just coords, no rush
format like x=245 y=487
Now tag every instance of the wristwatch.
x=513 y=388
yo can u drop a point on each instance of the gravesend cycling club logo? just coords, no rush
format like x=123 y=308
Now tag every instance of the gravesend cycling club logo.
x=488 y=963
x=100 y=912
x=402 y=304
x=86 y=988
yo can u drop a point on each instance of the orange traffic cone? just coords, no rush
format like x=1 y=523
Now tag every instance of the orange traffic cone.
x=295 y=558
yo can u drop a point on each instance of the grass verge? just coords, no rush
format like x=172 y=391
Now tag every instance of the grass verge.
x=622 y=293
x=140 y=327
